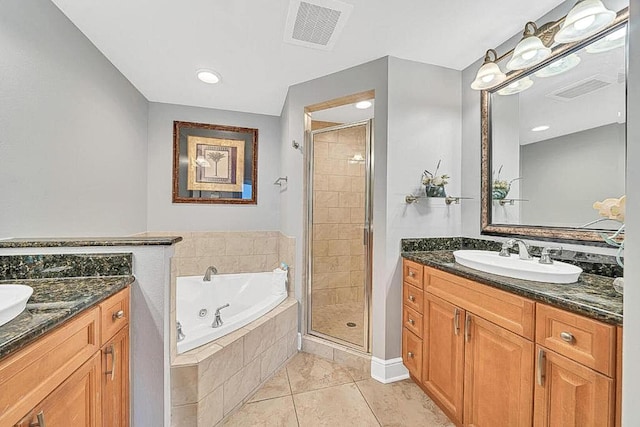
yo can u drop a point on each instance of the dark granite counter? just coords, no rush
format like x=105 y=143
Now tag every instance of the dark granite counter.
x=591 y=296
x=59 y=242
x=53 y=302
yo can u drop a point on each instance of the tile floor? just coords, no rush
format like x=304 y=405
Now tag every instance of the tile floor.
x=332 y=320
x=310 y=391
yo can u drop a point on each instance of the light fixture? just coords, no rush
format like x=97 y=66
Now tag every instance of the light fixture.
x=516 y=87
x=539 y=128
x=363 y=105
x=208 y=76
x=610 y=42
x=529 y=51
x=489 y=75
x=585 y=19
x=560 y=66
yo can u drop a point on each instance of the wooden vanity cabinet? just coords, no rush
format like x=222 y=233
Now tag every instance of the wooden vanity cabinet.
x=76 y=375
x=491 y=358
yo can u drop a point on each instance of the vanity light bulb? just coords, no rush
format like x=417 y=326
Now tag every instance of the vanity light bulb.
x=585 y=22
x=617 y=35
x=488 y=78
x=528 y=55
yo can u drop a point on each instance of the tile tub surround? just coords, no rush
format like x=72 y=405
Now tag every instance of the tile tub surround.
x=64 y=265
x=603 y=265
x=592 y=296
x=209 y=382
x=311 y=391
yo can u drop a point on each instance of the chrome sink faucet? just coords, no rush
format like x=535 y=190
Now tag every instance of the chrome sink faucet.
x=217 y=321
x=545 y=256
x=523 y=248
x=207 y=275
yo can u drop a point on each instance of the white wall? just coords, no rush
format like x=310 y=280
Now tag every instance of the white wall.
x=424 y=125
x=631 y=339
x=73 y=131
x=163 y=215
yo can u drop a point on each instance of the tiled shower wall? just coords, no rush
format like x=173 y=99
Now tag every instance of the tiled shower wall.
x=338 y=217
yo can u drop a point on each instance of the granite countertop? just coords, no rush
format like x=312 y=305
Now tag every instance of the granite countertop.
x=57 y=242
x=54 y=301
x=592 y=295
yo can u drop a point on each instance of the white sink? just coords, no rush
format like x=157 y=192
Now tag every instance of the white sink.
x=513 y=266
x=13 y=301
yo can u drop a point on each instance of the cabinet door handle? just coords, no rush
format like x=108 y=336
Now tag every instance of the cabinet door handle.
x=541 y=367
x=567 y=337
x=112 y=351
x=456 y=321
x=412 y=322
x=467 y=328
x=412 y=298
x=40 y=422
x=409 y=355
x=117 y=315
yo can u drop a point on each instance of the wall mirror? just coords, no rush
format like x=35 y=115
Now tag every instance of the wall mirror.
x=553 y=141
x=214 y=164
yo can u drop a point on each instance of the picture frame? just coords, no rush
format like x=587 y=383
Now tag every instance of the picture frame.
x=214 y=163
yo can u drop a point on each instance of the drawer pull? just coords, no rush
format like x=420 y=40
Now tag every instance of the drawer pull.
x=456 y=321
x=119 y=315
x=567 y=337
x=411 y=274
x=40 y=422
x=412 y=323
x=541 y=367
x=112 y=351
x=409 y=355
x=412 y=298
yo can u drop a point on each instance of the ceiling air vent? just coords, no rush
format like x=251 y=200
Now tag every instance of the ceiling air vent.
x=580 y=88
x=316 y=23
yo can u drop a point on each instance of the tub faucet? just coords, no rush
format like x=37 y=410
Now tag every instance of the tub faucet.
x=207 y=274
x=181 y=334
x=217 y=321
x=523 y=248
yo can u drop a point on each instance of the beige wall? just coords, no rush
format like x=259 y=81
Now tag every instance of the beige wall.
x=338 y=217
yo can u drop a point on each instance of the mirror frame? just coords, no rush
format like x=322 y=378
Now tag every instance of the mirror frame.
x=567 y=234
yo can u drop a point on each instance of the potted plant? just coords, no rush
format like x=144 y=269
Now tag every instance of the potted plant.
x=434 y=183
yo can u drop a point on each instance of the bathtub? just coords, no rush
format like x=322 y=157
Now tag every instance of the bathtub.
x=249 y=295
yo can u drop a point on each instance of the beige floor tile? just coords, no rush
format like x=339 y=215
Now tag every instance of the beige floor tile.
x=341 y=405
x=277 y=412
x=308 y=372
x=277 y=386
x=401 y=404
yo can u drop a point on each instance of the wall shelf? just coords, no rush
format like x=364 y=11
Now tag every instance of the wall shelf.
x=409 y=199
x=509 y=202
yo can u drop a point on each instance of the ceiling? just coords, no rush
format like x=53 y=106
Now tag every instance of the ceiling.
x=159 y=44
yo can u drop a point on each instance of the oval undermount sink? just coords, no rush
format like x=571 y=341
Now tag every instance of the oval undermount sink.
x=13 y=301
x=513 y=266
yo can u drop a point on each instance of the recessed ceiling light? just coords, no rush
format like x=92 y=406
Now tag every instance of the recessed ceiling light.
x=363 y=105
x=540 y=128
x=208 y=76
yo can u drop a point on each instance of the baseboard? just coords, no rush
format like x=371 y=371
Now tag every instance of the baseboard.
x=388 y=371
x=299 y=341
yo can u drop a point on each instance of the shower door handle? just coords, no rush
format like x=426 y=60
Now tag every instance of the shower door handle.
x=365 y=235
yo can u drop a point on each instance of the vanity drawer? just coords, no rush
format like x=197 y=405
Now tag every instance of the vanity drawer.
x=413 y=298
x=412 y=320
x=412 y=353
x=587 y=341
x=114 y=313
x=412 y=273
x=35 y=371
x=510 y=311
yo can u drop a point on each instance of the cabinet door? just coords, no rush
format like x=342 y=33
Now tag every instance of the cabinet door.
x=569 y=394
x=443 y=354
x=498 y=377
x=115 y=381
x=76 y=402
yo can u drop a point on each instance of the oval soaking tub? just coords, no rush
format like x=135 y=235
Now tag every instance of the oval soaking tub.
x=249 y=295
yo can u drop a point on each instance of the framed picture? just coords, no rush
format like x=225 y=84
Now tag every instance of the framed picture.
x=214 y=163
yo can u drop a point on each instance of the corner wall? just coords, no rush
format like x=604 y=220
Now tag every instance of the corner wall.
x=73 y=131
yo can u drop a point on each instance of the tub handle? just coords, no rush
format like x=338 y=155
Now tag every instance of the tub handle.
x=217 y=321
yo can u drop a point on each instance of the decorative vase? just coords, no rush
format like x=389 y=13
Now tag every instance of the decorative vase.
x=435 y=190
x=499 y=193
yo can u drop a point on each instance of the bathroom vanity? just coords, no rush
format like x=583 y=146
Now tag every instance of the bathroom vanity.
x=492 y=350
x=67 y=356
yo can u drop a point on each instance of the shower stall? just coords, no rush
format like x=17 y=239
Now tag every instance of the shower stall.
x=339 y=233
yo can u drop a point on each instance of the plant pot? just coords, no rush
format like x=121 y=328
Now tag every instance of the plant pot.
x=435 y=190
x=499 y=193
